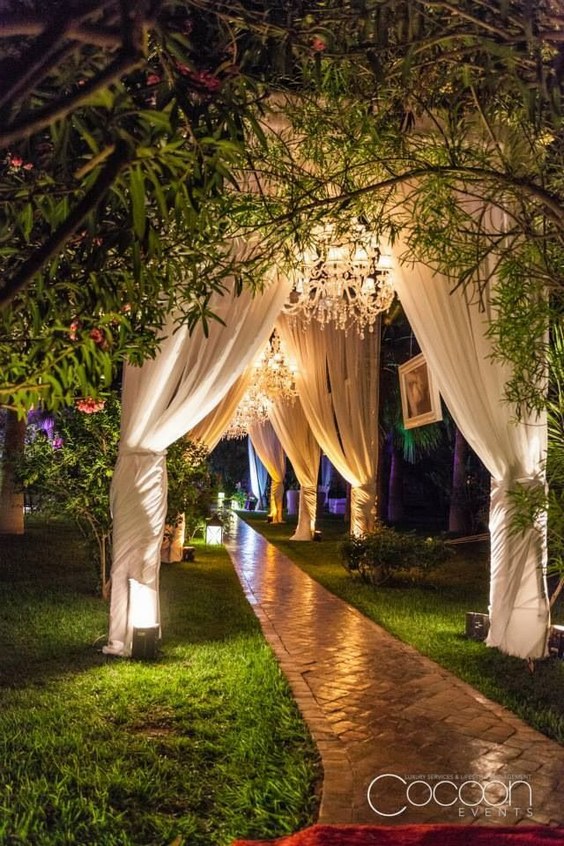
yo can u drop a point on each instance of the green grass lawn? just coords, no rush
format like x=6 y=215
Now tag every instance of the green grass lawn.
x=197 y=748
x=432 y=618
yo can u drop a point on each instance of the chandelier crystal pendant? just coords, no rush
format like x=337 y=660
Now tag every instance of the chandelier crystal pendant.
x=344 y=280
x=273 y=379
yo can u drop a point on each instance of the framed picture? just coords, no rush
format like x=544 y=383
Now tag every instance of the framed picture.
x=420 y=399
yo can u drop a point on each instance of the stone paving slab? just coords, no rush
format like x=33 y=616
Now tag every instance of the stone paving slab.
x=377 y=709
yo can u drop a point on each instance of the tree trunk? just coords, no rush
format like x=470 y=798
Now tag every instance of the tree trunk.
x=459 y=514
x=11 y=498
x=395 y=488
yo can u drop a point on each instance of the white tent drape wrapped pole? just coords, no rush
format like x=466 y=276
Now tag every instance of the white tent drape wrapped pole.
x=258 y=476
x=451 y=329
x=294 y=433
x=162 y=400
x=338 y=382
x=270 y=452
x=211 y=429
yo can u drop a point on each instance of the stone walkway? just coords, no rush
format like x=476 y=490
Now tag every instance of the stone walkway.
x=377 y=709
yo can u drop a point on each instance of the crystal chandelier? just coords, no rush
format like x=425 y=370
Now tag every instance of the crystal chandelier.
x=342 y=279
x=253 y=408
x=272 y=379
x=273 y=372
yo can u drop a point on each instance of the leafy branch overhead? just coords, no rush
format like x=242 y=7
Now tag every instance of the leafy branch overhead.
x=140 y=139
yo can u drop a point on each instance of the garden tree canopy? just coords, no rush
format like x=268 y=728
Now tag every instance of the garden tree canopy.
x=123 y=126
x=438 y=102
x=122 y=129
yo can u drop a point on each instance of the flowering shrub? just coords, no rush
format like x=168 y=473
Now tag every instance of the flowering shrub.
x=390 y=556
x=190 y=487
x=68 y=465
x=67 y=468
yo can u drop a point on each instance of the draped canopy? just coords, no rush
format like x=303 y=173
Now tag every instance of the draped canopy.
x=337 y=381
x=269 y=450
x=258 y=476
x=162 y=400
x=195 y=381
x=211 y=429
x=452 y=330
x=295 y=435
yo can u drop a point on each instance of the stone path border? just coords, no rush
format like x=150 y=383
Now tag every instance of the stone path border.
x=376 y=708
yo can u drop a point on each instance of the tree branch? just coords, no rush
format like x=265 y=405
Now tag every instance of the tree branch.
x=59 y=109
x=32 y=65
x=550 y=202
x=99 y=36
x=59 y=238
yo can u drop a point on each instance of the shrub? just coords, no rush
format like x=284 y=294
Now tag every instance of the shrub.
x=190 y=488
x=68 y=465
x=390 y=556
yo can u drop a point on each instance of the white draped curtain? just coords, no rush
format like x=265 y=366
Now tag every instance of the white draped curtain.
x=451 y=328
x=258 y=476
x=211 y=429
x=337 y=381
x=270 y=452
x=295 y=435
x=162 y=400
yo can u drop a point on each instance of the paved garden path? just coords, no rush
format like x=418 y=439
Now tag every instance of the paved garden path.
x=376 y=707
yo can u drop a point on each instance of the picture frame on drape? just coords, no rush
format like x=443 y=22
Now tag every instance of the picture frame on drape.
x=420 y=398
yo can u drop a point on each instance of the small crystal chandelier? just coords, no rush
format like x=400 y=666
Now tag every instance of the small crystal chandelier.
x=274 y=374
x=272 y=379
x=344 y=280
x=253 y=408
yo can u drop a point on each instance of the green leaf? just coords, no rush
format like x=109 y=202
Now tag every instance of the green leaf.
x=156 y=119
x=137 y=187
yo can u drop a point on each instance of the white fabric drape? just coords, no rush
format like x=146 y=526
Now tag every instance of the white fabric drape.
x=326 y=472
x=258 y=476
x=270 y=452
x=451 y=330
x=211 y=429
x=161 y=401
x=295 y=435
x=337 y=381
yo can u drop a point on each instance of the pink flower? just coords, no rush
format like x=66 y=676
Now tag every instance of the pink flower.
x=28 y=166
x=73 y=329
x=57 y=442
x=98 y=336
x=207 y=80
x=153 y=79
x=15 y=161
x=204 y=78
x=318 y=44
x=89 y=405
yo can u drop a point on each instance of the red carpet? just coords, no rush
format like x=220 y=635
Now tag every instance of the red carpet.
x=417 y=835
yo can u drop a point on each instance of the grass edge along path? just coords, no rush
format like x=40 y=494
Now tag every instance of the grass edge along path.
x=431 y=618
x=200 y=747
